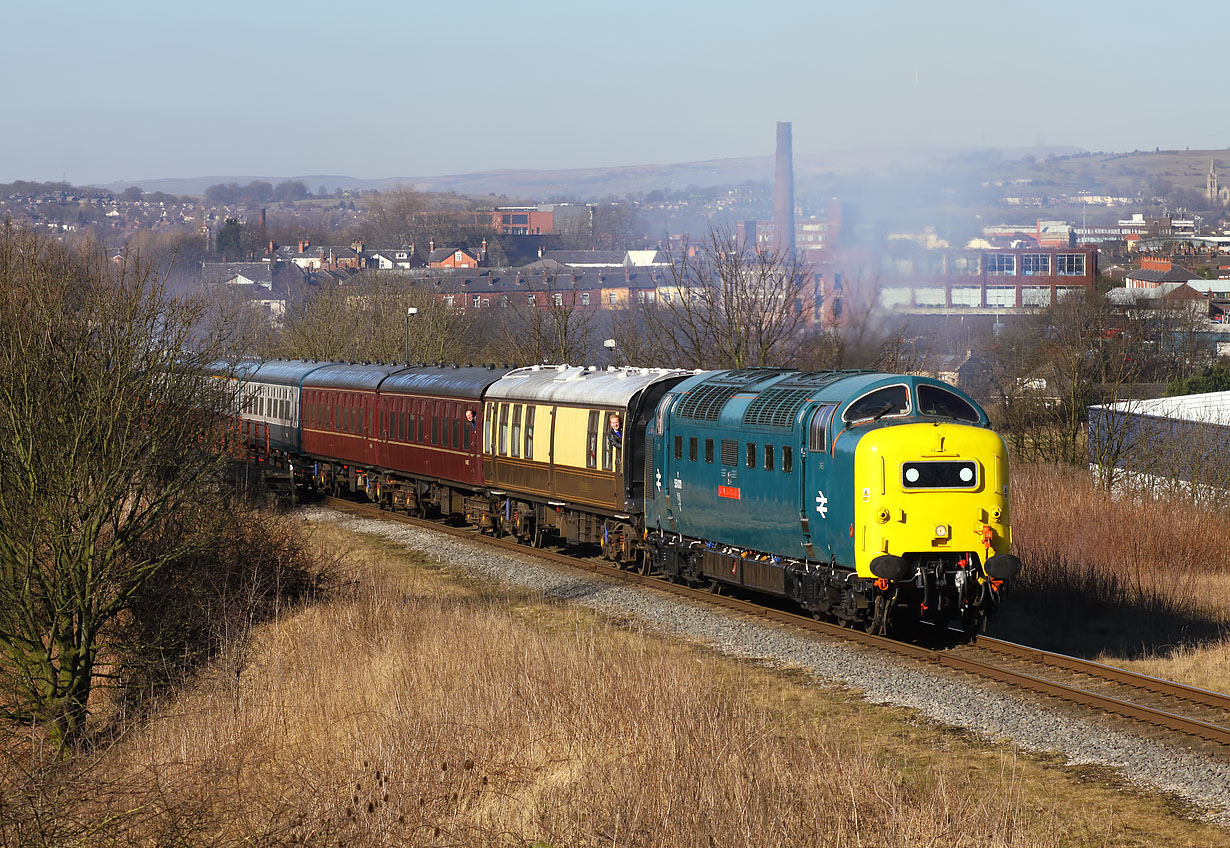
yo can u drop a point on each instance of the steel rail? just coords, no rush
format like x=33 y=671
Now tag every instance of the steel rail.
x=1031 y=683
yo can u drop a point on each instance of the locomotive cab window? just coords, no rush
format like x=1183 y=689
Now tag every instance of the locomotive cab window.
x=937 y=401
x=891 y=400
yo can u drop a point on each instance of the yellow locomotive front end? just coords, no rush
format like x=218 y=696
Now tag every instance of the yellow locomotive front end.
x=931 y=518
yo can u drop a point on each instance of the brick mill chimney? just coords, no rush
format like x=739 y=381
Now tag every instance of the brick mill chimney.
x=783 y=194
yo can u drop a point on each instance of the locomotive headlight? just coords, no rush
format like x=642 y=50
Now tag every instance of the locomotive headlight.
x=941 y=531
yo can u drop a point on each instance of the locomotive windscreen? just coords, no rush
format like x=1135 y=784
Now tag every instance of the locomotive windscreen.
x=939 y=475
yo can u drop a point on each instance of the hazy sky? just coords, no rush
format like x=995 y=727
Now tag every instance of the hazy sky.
x=131 y=90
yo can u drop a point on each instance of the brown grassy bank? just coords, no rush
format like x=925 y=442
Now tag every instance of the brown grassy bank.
x=419 y=710
x=1125 y=578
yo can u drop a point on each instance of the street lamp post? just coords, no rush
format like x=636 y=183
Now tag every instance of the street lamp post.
x=410 y=310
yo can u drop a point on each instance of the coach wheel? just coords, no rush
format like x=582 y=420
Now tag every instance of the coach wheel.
x=536 y=536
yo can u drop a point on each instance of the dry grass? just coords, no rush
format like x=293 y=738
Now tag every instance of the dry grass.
x=1121 y=578
x=419 y=710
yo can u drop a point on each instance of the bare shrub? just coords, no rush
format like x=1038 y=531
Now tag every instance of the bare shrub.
x=411 y=711
x=1121 y=574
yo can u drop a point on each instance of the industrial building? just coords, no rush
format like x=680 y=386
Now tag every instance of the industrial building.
x=1166 y=442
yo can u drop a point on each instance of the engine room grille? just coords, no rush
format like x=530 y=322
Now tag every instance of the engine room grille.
x=730 y=452
x=775 y=407
x=817 y=380
x=704 y=403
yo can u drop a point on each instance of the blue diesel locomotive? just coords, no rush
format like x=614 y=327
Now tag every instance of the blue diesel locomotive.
x=877 y=500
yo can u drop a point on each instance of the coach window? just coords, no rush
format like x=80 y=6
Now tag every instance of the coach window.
x=691 y=448
x=709 y=451
x=751 y=454
x=529 y=432
x=591 y=440
x=503 y=429
x=516 y=430
x=489 y=427
x=768 y=457
x=787 y=459
x=679 y=447
x=818 y=432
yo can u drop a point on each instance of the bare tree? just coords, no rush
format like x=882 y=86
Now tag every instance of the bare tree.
x=546 y=322
x=725 y=307
x=110 y=429
x=1047 y=373
x=366 y=320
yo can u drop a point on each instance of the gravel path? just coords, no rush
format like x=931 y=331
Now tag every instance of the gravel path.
x=1202 y=781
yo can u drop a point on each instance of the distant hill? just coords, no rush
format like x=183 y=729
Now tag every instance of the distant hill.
x=627 y=179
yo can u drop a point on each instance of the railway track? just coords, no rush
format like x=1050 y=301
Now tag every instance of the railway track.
x=1194 y=714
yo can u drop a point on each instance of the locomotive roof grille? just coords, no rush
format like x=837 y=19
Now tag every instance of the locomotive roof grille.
x=705 y=402
x=747 y=376
x=818 y=380
x=775 y=407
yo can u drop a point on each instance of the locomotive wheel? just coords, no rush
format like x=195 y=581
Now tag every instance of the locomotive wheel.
x=877 y=624
x=971 y=624
x=644 y=564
